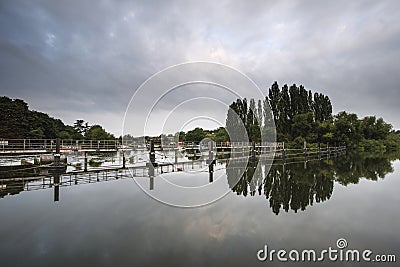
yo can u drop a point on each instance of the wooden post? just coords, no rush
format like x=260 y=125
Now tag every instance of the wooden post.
x=86 y=162
x=123 y=159
x=283 y=152
x=56 y=187
x=210 y=154
x=176 y=155
x=211 y=173
x=152 y=154
x=152 y=165
x=57 y=155
x=152 y=181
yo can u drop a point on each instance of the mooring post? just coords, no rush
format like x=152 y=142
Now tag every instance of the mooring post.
x=57 y=155
x=211 y=152
x=151 y=182
x=85 y=164
x=152 y=165
x=210 y=159
x=123 y=159
x=176 y=155
x=56 y=187
x=152 y=153
x=211 y=172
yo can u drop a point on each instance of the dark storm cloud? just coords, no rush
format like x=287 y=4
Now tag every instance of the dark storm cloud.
x=84 y=59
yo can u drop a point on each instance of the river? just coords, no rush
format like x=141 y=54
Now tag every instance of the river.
x=295 y=206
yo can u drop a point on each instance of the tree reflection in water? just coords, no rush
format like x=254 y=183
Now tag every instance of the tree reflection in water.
x=296 y=185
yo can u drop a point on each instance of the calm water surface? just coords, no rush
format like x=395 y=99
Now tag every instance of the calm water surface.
x=115 y=223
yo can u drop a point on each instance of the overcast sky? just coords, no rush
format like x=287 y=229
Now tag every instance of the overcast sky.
x=84 y=59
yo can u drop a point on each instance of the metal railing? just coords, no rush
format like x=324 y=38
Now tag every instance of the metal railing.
x=49 y=145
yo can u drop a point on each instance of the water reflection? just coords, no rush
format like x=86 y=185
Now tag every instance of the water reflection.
x=297 y=185
x=56 y=180
x=285 y=185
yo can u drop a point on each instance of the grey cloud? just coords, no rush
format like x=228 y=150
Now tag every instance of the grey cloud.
x=88 y=57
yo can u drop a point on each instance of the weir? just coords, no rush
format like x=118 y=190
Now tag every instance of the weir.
x=54 y=175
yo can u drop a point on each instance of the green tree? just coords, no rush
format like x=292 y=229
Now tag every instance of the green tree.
x=274 y=95
x=260 y=113
x=346 y=129
x=283 y=123
x=303 y=126
x=14 y=116
x=182 y=136
x=195 y=135
x=375 y=129
x=96 y=132
x=221 y=135
x=324 y=132
x=250 y=119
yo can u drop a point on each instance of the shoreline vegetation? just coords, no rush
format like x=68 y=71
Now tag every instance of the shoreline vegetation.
x=294 y=114
x=303 y=116
x=17 y=121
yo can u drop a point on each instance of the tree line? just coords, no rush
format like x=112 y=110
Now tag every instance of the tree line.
x=300 y=115
x=17 y=121
x=292 y=113
x=296 y=115
x=196 y=135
